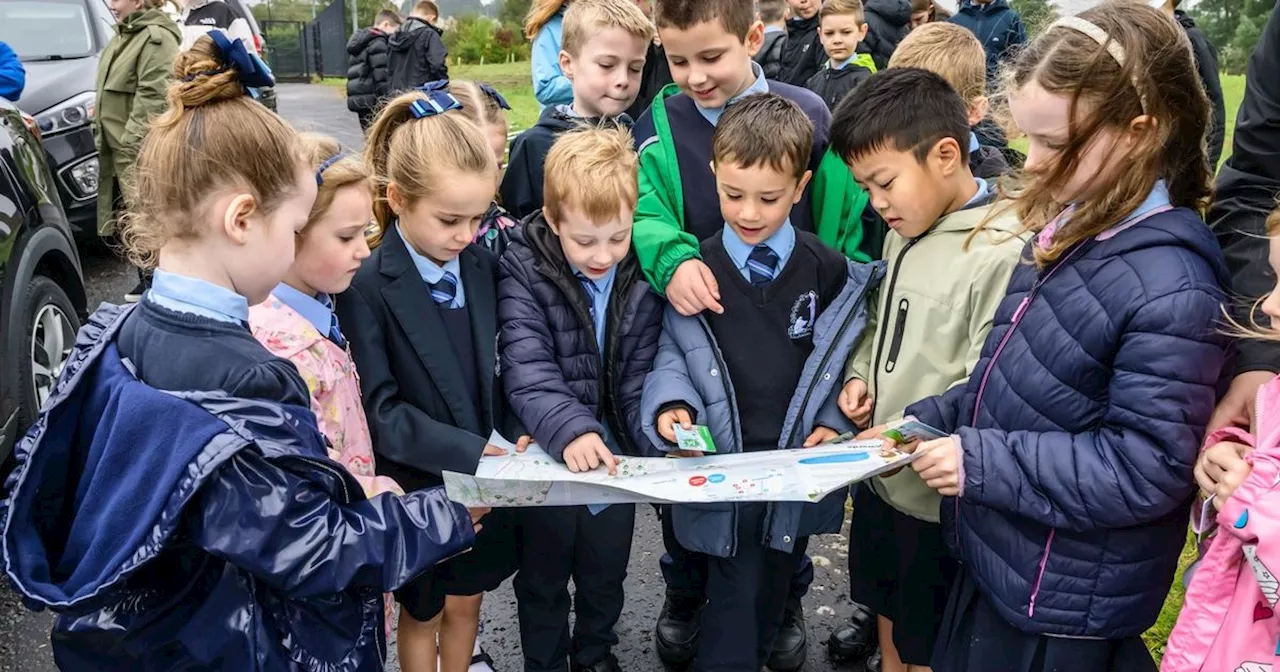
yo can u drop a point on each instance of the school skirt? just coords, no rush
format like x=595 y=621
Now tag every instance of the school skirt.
x=490 y=561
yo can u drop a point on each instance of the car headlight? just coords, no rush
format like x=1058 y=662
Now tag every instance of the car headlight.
x=84 y=177
x=71 y=113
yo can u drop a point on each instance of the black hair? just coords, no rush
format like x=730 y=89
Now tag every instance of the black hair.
x=899 y=109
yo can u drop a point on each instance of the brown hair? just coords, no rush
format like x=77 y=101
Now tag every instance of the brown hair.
x=585 y=18
x=949 y=50
x=211 y=136
x=426 y=8
x=478 y=106
x=735 y=16
x=414 y=153
x=540 y=12
x=593 y=170
x=771 y=11
x=842 y=8
x=344 y=172
x=1156 y=76
x=388 y=16
x=764 y=129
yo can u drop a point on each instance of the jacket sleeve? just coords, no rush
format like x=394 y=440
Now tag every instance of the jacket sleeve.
x=658 y=234
x=859 y=365
x=402 y=433
x=288 y=532
x=1246 y=193
x=521 y=188
x=669 y=384
x=838 y=205
x=635 y=369
x=155 y=67
x=986 y=291
x=1136 y=465
x=435 y=57
x=531 y=373
x=550 y=86
x=13 y=77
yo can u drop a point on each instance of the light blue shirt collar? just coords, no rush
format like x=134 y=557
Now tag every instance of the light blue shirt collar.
x=841 y=65
x=318 y=309
x=761 y=85
x=432 y=272
x=774 y=29
x=1158 y=198
x=984 y=190
x=568 y=110
x=782 y=242
x=193 y=296
x=974 y=145
x=599 y=297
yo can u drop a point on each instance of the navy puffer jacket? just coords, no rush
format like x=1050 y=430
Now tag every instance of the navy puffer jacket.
x=1080 y=426
x=549 y=357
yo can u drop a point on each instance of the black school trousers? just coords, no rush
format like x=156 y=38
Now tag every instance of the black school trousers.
x=559 y=543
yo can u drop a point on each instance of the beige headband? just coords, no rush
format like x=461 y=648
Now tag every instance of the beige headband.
x=1091 y=30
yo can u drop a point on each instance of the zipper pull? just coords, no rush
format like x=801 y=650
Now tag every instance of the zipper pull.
x=1022 y=308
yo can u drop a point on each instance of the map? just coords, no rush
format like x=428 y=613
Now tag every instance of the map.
x=534 y=478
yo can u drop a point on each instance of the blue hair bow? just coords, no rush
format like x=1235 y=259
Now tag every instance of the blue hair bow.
x=494 y=95
x=438 y=100
x=251 y=71
x=325 y=166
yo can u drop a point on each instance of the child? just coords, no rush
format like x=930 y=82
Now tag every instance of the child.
x=603 y=54
x=841 y=29
x=802 y=54
x=786 y=294
x=130 y=90
x=369 y=72
x=922 y=12
x=1068 y=464
x=997 y=26
x=418 y=54
x=954 y=53
x=543 y=27
x=421 y=320
x=174 y=502
x=708 y=45
x=950 y=255
x=579 y=332
x=773 y=14
x=484 y=106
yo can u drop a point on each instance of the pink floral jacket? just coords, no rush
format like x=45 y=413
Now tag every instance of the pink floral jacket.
x=1229 y=622
x=335 y=389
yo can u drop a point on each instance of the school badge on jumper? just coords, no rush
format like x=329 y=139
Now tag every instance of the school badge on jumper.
x=803 y=314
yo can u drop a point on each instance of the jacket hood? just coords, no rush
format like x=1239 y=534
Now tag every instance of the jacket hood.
x=895 y=12
x=360 y=41
x=860 y=62
x=1001 y=218
x=797 y=23
x=557 y=119
x=1177 y=228
x=141 y=20
x=407 y=34
x=543 y=244
x=88 y=504
x=1184 y=19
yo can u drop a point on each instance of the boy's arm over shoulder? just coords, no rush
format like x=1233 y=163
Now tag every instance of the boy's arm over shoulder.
x=839 y=208
x=287 y=530
x=669 y=384
x=658 y=234
x=521 y=188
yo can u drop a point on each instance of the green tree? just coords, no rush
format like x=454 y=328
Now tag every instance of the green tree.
x=1036 y=14
x=512 y=12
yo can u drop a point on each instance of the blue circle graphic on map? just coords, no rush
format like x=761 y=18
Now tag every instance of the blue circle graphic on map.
x=836 y=459
x=715 y=478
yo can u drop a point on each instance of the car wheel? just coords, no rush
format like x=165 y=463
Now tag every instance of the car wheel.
x=50 y=325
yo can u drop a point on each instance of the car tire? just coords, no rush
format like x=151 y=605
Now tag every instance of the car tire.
x=49 y=326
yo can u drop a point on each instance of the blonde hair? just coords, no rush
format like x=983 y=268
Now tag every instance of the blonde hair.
x=478 y=106
x=842 y=8
x=211 y=136
x=593 y=170
x=949 y=50
x=416 y=153
x=345 y=171
x=586 y=18
x=1138 y=63
x=540 y=12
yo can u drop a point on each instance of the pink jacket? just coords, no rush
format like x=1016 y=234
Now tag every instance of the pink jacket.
x=1229 y=621
x=335 y=389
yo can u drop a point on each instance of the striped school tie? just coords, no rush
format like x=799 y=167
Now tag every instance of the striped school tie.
x=445 y=290
x=762 y=265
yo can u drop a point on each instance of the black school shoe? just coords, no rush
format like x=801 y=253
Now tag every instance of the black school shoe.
x=609 y=664
x=791 y=645
x=856 y=641
x=676 y=635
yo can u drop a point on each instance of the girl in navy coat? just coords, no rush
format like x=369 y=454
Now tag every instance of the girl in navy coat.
x=421 y=319
x=579 y=333
x=1068 y=470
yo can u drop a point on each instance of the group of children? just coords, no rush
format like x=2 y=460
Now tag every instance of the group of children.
x=234 y=473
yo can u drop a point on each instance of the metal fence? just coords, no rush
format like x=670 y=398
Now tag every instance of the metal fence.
x=328 y=36
x=288 y=47
x=298 y=50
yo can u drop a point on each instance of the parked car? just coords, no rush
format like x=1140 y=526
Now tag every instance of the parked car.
x=42 y=297
x=59 y=42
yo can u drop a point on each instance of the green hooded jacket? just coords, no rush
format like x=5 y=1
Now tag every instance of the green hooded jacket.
x=133 y=77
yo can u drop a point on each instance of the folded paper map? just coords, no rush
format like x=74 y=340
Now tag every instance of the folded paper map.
x=533 y=478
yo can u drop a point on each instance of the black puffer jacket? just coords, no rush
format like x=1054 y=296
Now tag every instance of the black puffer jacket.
x=833 y=85
x=770 y=55
x=418 y=55
x=802 y=55
x=888 y=21
x=369 y=72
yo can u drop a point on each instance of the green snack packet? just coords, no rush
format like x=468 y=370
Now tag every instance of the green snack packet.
x=697 y=439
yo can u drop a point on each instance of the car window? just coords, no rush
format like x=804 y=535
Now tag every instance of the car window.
x=47 y=29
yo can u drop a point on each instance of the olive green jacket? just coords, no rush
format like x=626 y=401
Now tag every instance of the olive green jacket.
x=133 y=76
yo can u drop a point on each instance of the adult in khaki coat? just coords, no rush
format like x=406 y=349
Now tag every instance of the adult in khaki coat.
x=133 y=76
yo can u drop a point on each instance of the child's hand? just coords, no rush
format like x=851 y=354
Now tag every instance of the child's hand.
x=588 y=452
x=855 y=403
x=476 y=514
x=694 y=289
x=1221 y=469
x=522 y=443
x=939 y=465
x=668 y=419
x=820 y=434
x=491 y=450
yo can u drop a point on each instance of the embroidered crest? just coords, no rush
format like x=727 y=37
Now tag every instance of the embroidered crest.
x=803 y=314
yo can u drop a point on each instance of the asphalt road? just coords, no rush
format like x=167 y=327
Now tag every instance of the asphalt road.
x=24 y=644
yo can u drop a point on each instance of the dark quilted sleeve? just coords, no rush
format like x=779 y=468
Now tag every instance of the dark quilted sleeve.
x=1135 y=467
x=645 y=332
